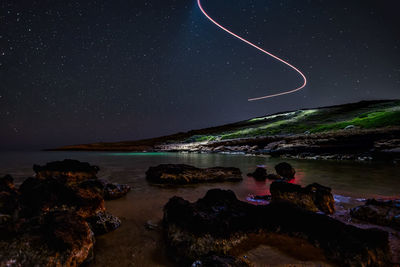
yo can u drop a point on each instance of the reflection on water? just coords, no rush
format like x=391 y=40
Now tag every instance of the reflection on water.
x=133 y=245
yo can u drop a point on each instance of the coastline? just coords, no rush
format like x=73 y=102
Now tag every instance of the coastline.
x=350 y=144
x=367 y=130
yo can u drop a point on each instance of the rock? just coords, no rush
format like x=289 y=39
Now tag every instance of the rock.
x=89 y=202
x=380 y=212
x=109 y=190
x=114 y=191
x=43 y=195
x=68 y=171
x=219 y=223
x=220 y=261
x=314 y=197
x=8 y=202
x=349 y=127
x=103 y=222
x=186 y=174
x=219 y=148
x=285 y=170
x=260 y=174
x=4 y=219
x=97 y=185
x=252 y=149
x=8 y=196
x=55 y=239
x=273 y=145
x=7 y=184
x=45 y=221
x=322 y=197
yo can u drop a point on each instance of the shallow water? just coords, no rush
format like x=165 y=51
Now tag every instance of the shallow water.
x=133 y=245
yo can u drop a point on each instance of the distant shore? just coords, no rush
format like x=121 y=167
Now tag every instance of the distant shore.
x=367 y=130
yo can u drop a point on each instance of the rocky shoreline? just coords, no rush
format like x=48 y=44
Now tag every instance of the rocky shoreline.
x=219 y=223
x=349 y=144
x=363 y=131
x=53 y=219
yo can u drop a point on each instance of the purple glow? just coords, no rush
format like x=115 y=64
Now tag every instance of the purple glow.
x=262 y=50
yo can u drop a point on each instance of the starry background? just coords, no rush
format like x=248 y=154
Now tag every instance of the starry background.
x=97 y=70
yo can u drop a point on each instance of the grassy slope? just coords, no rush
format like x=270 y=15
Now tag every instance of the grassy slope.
x=365 y=115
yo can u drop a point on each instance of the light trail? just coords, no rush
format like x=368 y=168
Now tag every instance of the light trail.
x=263 y=51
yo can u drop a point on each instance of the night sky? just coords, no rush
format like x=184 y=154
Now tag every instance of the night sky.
x=99 y=70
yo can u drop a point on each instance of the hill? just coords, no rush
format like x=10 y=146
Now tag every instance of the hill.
x=373 y=120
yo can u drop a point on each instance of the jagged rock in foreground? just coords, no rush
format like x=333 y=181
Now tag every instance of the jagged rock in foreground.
x=381 y=212
x=59 y=238
x=52 y=218
x=219 y=223
x=285 y=170
x=103 y=222
x=186 y=174
x=313 y=197
x=8 y=195
x=42 y=195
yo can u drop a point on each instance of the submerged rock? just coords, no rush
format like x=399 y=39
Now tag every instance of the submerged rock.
x=285 y=170
x=260 y=174
x=186 y=174
x=219 y=223
x=313 y=197
x=381 y=212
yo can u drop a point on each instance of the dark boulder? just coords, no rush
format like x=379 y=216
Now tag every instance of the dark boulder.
x=186 y=174
x=45 y=221
x=260 y=174
x=8 y=203
x=55 y=239
x=67 y=165
x=219 y=223
x=8 y=196
x=380 y=212
x=115 y=191
x=43 y=195
x=68 y=171
x=285 y=170
x=109 y=190
x=7 y=184
x=103 y=222
x=313 y=197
